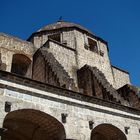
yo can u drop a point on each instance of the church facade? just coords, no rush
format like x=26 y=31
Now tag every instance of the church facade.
x=59 y=84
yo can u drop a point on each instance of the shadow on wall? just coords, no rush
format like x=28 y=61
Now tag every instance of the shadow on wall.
x=20 y=64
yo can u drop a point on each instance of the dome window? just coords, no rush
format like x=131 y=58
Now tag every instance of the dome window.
x=55 y=37
x=92 y=45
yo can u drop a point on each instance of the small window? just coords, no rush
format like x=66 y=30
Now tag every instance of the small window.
x=55 y=37
x=92 y=45
x=111 y=98
x=126 y=129
x=101 y=53
x=64 y=42
x=86 y=46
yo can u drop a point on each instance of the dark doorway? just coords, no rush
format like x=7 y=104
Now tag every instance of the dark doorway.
x=107 y=132
x=29 y=124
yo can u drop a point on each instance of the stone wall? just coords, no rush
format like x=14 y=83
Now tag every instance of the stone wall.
x=93 y=59
x=121 y=77
x=22 y=95
x=66 y=57
x=71 y=61
x=10 y=45
x=69 y=38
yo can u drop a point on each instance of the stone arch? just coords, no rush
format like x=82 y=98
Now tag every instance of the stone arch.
x=32 y=124
x=20 y=64
x=94 y=83
x=107 y=132
x=48 y=70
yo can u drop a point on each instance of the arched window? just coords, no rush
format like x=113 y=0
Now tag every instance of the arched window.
x=20 y=64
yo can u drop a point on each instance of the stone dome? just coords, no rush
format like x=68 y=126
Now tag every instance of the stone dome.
x=63 y=24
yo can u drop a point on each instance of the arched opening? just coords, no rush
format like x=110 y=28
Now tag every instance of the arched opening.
x=29 y=124
x=42 y=71
x=107 y=132
x=20 y=64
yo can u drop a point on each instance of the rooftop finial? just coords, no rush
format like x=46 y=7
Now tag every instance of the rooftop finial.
x=60 y=19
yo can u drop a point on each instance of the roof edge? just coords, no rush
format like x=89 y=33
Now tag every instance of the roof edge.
x=120 y=69
x=63 y=28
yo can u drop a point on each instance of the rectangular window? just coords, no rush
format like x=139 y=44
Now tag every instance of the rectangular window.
x=55 y=37
x=92 y=45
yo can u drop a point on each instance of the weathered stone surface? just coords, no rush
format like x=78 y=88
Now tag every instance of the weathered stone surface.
x=50 y=70
x=121 y=77
x=94 y=83
x=82 y=104
x=78 y=40
x=78 y=115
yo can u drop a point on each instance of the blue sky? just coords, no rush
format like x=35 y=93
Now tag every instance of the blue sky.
x=116 y=21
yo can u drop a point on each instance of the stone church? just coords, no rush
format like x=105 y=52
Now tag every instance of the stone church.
x=59 y=84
